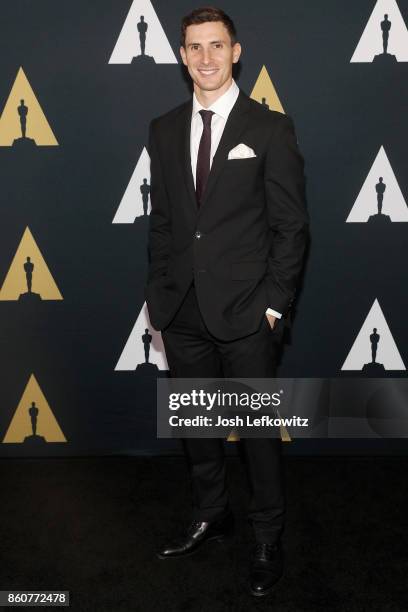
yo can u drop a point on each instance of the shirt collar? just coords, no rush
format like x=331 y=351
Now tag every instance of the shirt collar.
x=223 y=105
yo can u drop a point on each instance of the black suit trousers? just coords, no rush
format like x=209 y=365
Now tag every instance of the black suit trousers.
x=192 y=351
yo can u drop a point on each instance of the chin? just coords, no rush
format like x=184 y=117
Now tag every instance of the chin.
x=209 y=86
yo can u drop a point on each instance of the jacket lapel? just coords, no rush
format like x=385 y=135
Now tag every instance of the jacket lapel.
x=235 y=125
x=188 y=175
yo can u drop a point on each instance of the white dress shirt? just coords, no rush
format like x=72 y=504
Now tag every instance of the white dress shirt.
x=221 y=109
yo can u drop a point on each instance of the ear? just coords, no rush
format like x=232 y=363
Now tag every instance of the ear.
x=236 y=52
x=183 y=55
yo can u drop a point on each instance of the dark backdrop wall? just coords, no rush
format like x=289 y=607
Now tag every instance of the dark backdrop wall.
x=89 y=119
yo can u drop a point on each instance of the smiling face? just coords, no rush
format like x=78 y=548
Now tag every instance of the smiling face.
x=209 y=55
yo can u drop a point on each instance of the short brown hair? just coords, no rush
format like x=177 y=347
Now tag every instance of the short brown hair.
x=204 y=14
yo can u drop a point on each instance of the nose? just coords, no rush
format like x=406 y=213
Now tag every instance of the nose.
x=206 y=57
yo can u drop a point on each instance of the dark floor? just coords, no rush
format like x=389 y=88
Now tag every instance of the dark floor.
x=91 y=526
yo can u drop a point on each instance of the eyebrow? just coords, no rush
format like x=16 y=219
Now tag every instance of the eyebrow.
x=211 y=42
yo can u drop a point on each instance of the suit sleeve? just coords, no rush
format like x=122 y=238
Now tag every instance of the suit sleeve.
x=160 y=218
x=287 y=215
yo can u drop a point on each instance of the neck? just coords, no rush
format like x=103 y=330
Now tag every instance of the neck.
x=206 y=98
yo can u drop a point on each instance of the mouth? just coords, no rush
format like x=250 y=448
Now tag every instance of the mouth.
x=207 y=71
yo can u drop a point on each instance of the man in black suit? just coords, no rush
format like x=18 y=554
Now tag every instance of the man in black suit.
x=228 y=229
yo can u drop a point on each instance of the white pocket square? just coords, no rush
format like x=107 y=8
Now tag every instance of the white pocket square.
x=241 y=151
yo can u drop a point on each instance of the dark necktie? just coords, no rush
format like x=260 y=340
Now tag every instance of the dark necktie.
x=203 y=158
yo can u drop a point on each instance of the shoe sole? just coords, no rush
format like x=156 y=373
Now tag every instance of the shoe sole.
x=217 y=538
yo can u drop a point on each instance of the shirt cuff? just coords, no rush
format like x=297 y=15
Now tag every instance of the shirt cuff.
x=274 y=313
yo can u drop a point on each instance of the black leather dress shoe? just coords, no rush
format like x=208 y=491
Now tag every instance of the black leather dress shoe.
x=196 y=534
x=267 y=568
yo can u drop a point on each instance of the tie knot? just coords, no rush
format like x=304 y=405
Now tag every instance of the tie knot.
x=206 y=116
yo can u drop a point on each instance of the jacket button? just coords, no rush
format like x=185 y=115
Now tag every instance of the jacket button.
x=198 y=235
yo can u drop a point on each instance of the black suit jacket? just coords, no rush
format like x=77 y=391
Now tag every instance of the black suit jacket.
x=245 y=244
